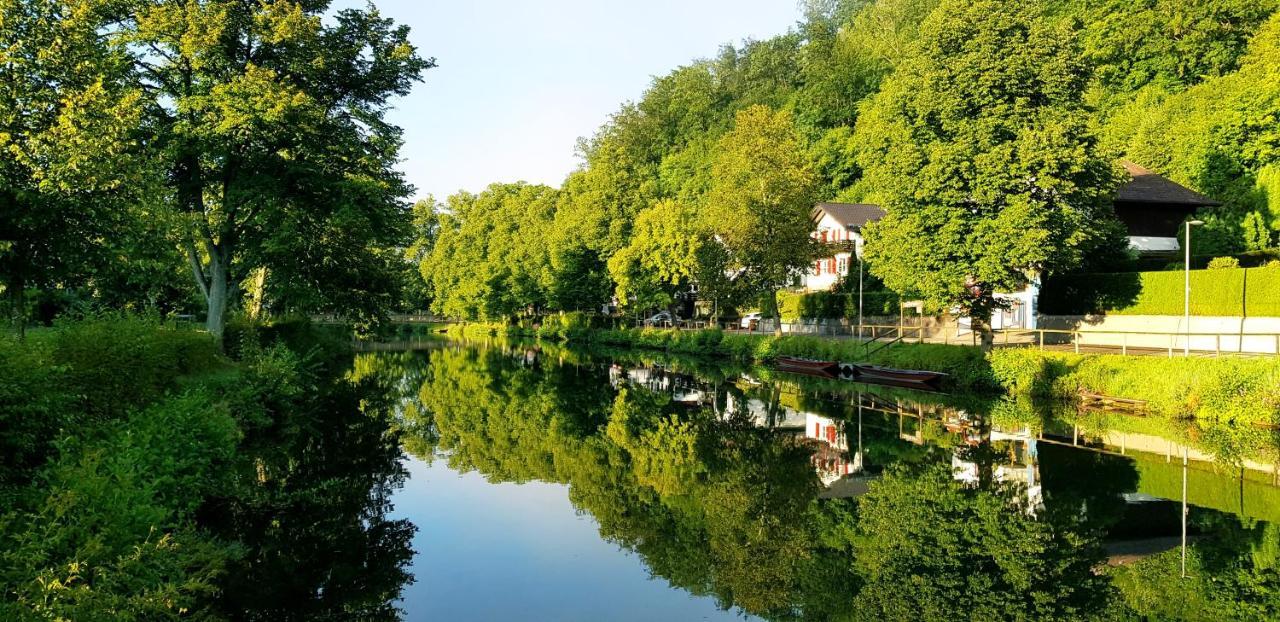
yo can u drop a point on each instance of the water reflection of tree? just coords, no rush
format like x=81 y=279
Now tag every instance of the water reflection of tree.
x=312 y=511
x=932 y=548
x=720 y=506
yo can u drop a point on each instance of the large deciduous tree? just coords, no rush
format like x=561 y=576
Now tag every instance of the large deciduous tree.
x=980 y=149
x=759 y=205
x=66 y=114
x=268 y=119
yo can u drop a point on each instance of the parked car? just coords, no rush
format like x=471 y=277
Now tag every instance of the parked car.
x=661 y=318
x=750 y=321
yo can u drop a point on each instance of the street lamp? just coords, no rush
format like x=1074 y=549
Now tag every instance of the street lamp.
x=1186 y=294
x=857 y=251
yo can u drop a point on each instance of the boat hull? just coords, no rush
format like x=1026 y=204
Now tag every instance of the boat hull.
x=875 y=373
x=808 y=366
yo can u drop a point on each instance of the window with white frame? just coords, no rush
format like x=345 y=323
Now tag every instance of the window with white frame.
x=842 y=265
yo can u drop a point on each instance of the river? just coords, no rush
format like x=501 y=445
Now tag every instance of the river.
x=553 y=484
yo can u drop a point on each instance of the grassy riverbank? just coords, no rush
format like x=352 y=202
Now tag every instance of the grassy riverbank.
x=1241 y=390
x=118 y=434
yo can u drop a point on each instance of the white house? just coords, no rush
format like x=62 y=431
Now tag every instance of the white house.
x=839 y=227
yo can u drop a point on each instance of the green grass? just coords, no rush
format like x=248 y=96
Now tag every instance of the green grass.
x=1239 y=390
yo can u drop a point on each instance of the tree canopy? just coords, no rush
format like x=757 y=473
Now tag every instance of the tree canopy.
x=980 y=150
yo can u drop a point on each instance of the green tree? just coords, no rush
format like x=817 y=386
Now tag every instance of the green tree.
x=1219 y=137
x=1170 y=44
x=662 y=260
x=268 y=118
x=66 y=150
x=759 y=205
x=980 y=150
x=489 y=259
x=1257 y=235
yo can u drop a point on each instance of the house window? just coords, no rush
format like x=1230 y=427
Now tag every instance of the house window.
x=842 y=265
x=817 y=267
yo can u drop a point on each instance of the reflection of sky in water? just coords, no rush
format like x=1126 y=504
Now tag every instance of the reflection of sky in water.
x=520 y=552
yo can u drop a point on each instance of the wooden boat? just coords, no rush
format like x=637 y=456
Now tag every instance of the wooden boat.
x=808 y=366
x=889 y=375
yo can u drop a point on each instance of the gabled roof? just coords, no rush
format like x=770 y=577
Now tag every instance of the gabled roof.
x=849 y=214
x=1148 y=187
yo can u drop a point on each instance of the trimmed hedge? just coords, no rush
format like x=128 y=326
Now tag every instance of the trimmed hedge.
x=1223 y=292
x=1241 y=390
x=831 y=305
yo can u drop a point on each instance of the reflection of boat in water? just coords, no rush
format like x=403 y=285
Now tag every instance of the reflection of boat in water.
x=808 y=366
x=905 y=377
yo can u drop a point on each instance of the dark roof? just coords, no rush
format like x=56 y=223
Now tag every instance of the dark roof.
x=850 y=214
x=1147 y=187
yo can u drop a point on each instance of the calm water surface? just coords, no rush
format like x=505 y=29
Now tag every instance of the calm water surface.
x=550 y=484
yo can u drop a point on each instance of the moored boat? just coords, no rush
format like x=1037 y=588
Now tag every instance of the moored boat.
x=914 y=377
x=808 y=366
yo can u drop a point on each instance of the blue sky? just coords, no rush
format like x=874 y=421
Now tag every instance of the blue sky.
x=519 y=82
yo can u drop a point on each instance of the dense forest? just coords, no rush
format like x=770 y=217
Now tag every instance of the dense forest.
x=236 y=158
x=918 y=105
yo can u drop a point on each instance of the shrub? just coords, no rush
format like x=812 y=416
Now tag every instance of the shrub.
x=114 y=364
x=34 y=405
x=1026 y=371
x=836 y=305
x=112 y=537
x=1223 y=263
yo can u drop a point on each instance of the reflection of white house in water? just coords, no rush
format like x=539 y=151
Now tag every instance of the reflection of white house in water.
x=1022 y=467
x=831 y=459
x=682 y=389
x=783 y=416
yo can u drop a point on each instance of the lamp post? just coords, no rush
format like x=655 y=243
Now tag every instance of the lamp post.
x=857 y=251
x=1186 y=293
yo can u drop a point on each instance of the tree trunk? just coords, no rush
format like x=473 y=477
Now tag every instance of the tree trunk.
x=215 y=319
x=982 y=326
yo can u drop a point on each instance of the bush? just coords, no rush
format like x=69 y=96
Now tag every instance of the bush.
x=1026 y=371
x=835 y=305
x=113 y=535
x=1223 y=263
x=115 y=364
x=35 y=404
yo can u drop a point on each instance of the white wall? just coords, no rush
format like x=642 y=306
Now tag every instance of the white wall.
x=837 y=232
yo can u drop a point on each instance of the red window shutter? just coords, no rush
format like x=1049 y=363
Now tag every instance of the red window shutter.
x=817 y=430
